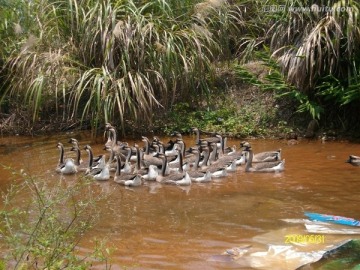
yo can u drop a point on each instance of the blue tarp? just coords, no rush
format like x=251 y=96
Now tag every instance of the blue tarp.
x=333 y=219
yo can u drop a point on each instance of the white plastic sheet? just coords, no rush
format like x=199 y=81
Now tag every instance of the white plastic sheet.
x=272 y=250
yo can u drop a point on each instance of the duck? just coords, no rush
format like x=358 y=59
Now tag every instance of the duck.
x=227 y=162
x=69 y=167
x=264 y=166
x=353 y=160
x=176 y=134
x=233 y=157
x=230 y=167
x=174 y=177
x=212 y=139
x=66 y=166
x=238 y=156
x=97 y=168
x=149 y=158
x=185 y=152
x=159 y=148
x=109 y=134
x=135 y=182
x=216 y=170
x=93 y=161
x=264 y=156
x=214 y=155
x=111 y=160
x=126 y=179
x=102 y=162
x=171 y=151
x=241 y=160
x=195 y=175
x=112 y=142
x=169 y=145
x=201 y=178
x=127 y=167
x=88 y=149
x=103 y=173
x=180 y=165
x=74 y=142
x=205 y=153
x=81 y=166
x=151 y=173
x=185 y=181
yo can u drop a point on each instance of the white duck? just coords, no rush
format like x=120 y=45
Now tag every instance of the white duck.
x=104 y=173
x=65 y=167
x=174 y=177
x=126 y=179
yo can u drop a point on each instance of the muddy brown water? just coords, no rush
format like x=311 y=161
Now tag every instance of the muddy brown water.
x=168 y=227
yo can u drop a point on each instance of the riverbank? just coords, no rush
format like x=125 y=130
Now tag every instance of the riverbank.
x=236 y=108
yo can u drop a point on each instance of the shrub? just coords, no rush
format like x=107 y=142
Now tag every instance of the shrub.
x=43 y=230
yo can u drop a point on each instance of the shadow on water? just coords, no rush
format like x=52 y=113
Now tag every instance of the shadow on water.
x=168 y=227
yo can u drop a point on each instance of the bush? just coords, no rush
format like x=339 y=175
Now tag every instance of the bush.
x=43 y=230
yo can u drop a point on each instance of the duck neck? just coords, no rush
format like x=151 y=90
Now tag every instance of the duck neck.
x=213 y=153
x=108 y=135
x=128 y=155
x=222 y=142
x=118 y=165
x=161 y=149
x=112 y=155
x=164 y=164
x=113 y=135
x=138 y=159
x=183 y=147
x=206 y=157
x=147 y=149
x=249 y=161
x=142 y=161
x=78 y=156
x=61 y=158
x=180 y=161
x=197 y=160
x=197 y=136
x=91 y=157
x=102 y=162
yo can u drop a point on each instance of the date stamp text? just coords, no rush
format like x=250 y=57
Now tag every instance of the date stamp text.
x=304 y=239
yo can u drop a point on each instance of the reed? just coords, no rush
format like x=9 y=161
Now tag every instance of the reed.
x=116 y=60
x=320 y=41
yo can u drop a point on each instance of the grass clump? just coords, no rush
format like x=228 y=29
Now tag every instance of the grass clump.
x=226 y=118
x=43 y=230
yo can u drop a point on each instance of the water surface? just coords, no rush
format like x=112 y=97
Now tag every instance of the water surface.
x=168 y=227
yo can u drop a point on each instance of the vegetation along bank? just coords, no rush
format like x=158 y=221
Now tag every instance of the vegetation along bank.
x=243 y=68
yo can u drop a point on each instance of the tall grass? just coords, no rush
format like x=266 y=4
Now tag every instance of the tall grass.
x=319 y=42
x=117 y=60
x=317 y=46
